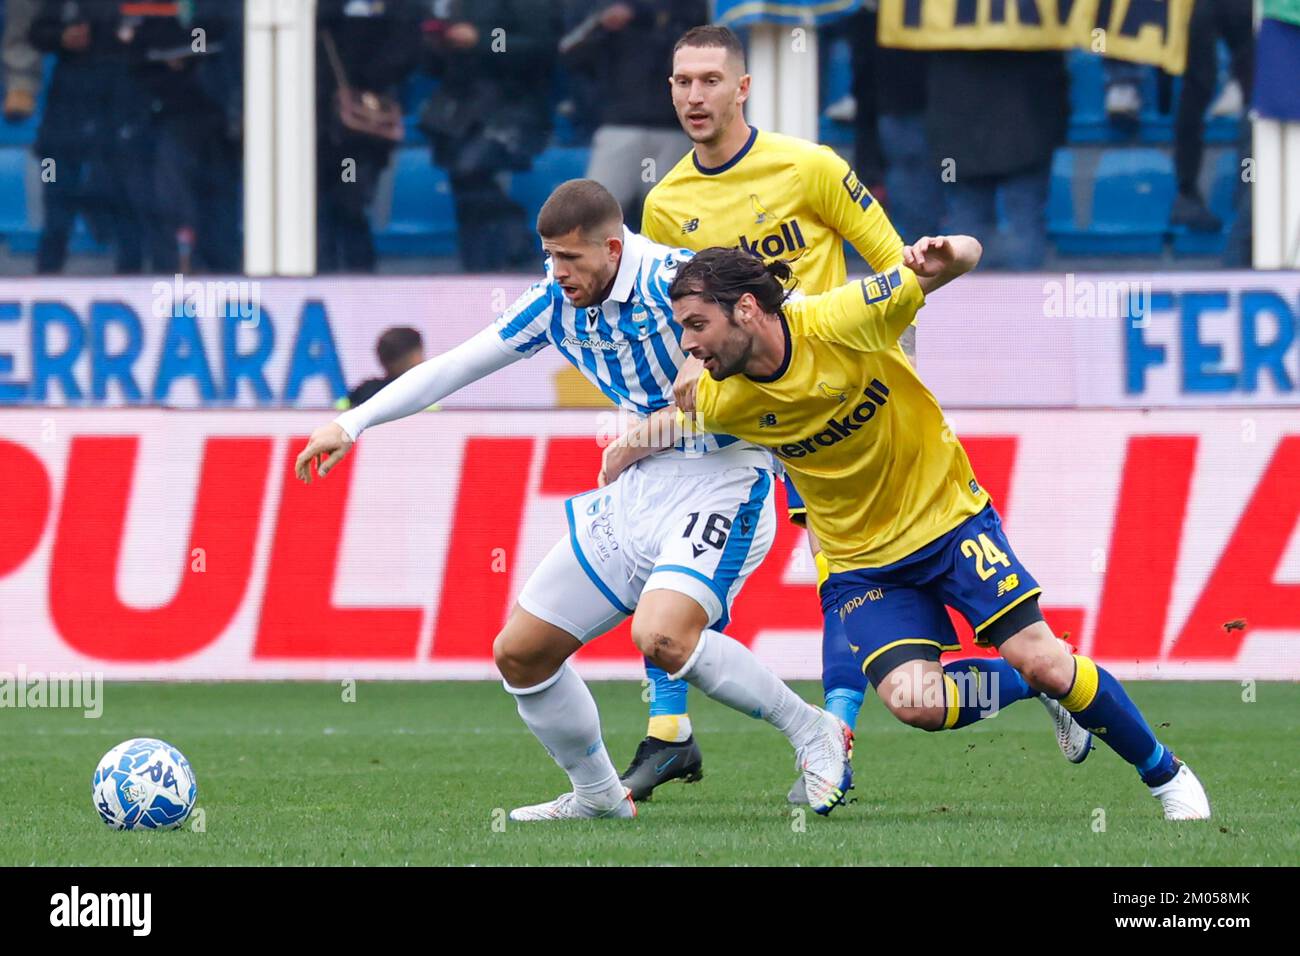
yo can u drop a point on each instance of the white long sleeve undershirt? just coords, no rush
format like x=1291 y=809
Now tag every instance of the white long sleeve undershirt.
x=431 y=381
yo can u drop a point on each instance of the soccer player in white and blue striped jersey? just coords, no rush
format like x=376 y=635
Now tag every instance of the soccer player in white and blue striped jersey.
x=670 y=542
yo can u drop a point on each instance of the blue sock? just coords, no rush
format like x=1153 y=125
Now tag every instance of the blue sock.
x=1099 y=703
x=845 y=704
x=667 y=697
x=978 y=687
x=843 y=682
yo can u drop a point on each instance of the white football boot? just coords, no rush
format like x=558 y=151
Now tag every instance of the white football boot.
x=1074 y=740
x=824 y=762
x=1183 y=797
x=567 y=806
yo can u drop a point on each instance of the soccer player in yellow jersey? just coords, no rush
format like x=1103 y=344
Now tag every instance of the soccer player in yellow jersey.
x=774 y=197
x=905 y=526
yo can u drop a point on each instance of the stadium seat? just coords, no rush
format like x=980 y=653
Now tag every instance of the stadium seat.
x=551 y=168
x=1222 y=197
x=1131 y=197
x=20 y=134
x=15 y=223
x=423 y=218
x=1087 y=98
x=1061 y=221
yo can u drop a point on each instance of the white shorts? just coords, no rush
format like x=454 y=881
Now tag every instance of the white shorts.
x=657 y=526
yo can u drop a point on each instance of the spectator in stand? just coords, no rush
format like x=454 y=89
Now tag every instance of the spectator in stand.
x=626 y=48
x=94 y=106
x=993 y=119
x=399 y=349
x=889 y=87
x=1211 y=19
x=490 y=116
x=365 y=49
x=184 y=173
x=22 y=61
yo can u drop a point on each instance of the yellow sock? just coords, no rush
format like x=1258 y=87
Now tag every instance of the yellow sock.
x=673 y=728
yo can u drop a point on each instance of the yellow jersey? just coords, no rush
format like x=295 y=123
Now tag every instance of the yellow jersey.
x=780 y=197
x=865 y=441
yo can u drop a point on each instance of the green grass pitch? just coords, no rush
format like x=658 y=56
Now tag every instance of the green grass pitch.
x=420 y=774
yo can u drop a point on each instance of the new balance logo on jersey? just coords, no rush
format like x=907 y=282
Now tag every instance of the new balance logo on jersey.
x=767 y=421
x=840 y=428
x=785 y=241
x=857 y=192
x=690 y=225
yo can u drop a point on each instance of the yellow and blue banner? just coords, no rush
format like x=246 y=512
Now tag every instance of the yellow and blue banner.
x=1141 y=31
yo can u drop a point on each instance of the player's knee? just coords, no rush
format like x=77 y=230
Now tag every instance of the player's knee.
x=1049 y=669
x=512 y=664
x=520 y=662
x=923 y=718
x=666 y=649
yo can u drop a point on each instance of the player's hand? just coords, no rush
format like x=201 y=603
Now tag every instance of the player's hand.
x=688 y=376
x=330 y=443
x=615 y=460
x=929 y=256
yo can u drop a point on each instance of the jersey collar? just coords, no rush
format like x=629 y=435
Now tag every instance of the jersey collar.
x=785 y=359
x=715 y=170
x=629 y=266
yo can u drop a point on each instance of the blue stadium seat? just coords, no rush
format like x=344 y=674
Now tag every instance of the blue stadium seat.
x=1130 y=205
x=1222 y=198
x=1087 y=98
x=423 y=219
x=837 y=76
x=20 y=134
x=15 y=222
x=1061 y=220
x=552 y=167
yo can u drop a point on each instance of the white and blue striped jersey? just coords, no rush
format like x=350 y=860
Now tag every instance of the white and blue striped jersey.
x=629 y=347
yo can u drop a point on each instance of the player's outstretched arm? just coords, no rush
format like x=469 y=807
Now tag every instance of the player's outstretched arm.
x=414 y=391
x=937 y=260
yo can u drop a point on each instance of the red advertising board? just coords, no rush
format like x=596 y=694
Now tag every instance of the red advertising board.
x=166 y=544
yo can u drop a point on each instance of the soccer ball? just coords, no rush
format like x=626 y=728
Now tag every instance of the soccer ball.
x=143 y=784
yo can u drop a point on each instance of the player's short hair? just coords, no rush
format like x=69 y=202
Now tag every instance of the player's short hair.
x=723 y=275
x=582 y=204
x=397 y=342
x=711 y=35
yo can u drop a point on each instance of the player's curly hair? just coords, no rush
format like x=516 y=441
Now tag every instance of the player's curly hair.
x=723 y=275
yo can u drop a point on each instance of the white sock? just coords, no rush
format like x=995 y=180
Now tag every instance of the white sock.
x=562 y=714
x=728 y=672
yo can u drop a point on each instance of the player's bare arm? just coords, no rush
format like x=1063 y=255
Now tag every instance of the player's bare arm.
x=937 y=260
x=659 y=431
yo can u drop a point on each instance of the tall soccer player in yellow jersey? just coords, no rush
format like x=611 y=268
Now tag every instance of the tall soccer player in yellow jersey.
x=775 y=197
x=905 y=525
